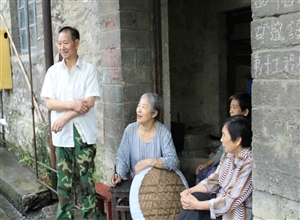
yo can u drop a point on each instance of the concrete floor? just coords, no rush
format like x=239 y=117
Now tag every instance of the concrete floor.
x=11 y=171
x=9 y=212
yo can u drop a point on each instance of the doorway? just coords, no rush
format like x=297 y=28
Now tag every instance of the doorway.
x=209 y=59
x=239 y=51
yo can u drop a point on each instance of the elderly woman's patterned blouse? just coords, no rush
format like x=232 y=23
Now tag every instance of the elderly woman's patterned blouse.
x=132 y=149
x=233 y=178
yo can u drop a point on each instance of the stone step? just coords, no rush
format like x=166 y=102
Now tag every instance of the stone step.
x=203 y=153
x=196 y=143
x=19 y=186
x=190 y=165
x=188 y=168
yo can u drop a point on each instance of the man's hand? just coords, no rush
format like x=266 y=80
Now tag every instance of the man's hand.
x=74 y=109
x=59 y=124
x=90 y=101
x=80 y=106
x=83 y=105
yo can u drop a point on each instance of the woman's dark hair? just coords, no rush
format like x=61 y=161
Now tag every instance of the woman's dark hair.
x=155 y=102
x=74 y=32
x=244 y=100
x=239 y=126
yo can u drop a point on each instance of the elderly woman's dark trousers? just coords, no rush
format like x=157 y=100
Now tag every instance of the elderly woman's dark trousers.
x=198 y=214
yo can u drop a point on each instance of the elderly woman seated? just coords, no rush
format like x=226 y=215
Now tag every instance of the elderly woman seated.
x=240 y=104
x=146 y=142
x=232 y=180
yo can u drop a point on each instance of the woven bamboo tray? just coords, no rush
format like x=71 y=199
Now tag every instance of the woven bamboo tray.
x=159 y=195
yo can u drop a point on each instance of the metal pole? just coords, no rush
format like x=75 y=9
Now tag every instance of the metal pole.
x=32 y=102
x=48 y=47
x=155 y=19
x=3 y=130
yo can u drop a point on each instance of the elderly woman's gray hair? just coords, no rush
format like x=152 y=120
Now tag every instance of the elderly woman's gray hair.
x=155 y=102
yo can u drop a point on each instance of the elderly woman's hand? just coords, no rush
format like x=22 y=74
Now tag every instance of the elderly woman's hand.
x=200 y=167
x=143 y=164
x=114 y=180
x=185 y=198
x=188 y=201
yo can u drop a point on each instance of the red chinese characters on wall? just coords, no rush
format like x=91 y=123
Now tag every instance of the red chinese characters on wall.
x=111 y=59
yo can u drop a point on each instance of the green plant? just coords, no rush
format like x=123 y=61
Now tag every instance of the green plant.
x=43 y=169
x=27 y=160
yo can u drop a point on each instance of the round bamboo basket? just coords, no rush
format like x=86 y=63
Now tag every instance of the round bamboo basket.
x=159 y=195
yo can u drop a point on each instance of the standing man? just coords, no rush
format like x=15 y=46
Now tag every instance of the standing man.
x=70 y=89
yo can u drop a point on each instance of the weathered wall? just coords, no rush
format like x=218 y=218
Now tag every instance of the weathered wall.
x=126 y=68
x=115 y=36
x=198 y=61
x=84 y=15
x=17 y=101
x=275 y=34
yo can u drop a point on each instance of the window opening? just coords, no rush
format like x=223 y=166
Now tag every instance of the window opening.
x=22 y=13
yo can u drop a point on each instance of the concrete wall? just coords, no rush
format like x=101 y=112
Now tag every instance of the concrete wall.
x=275 y=34
x=197 y=33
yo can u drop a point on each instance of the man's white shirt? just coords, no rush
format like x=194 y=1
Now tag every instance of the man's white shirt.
x=82 y=82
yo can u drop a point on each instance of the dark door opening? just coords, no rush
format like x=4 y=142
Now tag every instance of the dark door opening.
x=239 y=51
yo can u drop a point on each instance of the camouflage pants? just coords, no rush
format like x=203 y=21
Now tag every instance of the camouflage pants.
x=76 y=161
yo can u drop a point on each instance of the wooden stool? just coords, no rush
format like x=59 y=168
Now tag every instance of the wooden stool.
x=120 y=200
x=103 y=194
